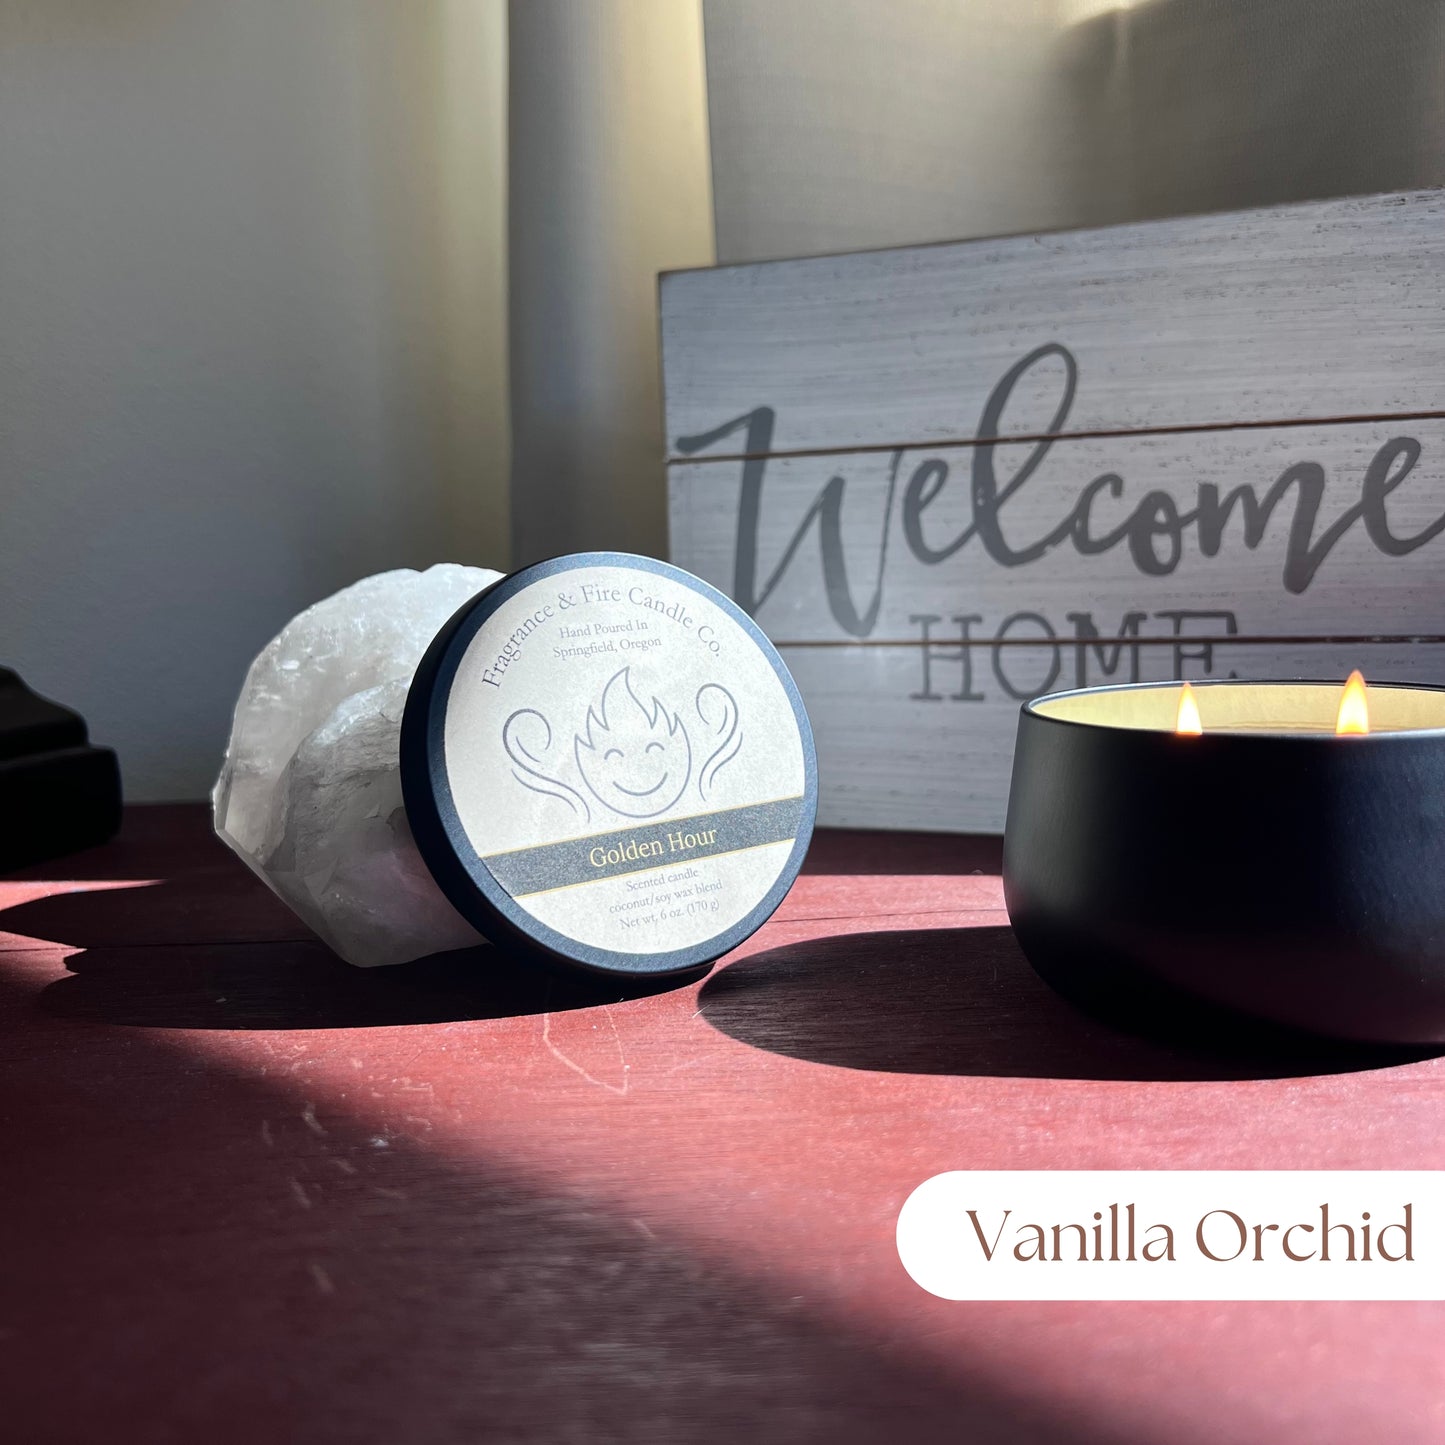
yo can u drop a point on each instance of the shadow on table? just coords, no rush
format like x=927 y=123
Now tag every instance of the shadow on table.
x=230 y=1267
x=139 y=965
x=965 y=1001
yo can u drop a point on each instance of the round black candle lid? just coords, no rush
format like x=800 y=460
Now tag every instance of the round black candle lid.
x=606 y=762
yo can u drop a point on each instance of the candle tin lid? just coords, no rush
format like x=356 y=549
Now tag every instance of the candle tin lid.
x=606 y=763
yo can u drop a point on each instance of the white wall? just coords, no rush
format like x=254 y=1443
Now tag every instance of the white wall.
x=843 y=124
x=1177 y=106
x=252 y=336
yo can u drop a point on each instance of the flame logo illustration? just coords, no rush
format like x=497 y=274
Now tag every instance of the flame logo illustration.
x=714 y=701
x=527 y=739
x=635 y=759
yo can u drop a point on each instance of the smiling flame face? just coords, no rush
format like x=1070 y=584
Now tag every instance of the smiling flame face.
x=634 y=760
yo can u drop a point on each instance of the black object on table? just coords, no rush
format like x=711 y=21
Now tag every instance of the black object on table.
x=58 y=792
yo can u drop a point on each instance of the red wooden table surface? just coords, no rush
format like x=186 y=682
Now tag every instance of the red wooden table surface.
x=253 y=1194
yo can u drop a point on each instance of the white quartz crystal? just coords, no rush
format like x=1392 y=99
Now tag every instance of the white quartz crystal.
x=310 y=790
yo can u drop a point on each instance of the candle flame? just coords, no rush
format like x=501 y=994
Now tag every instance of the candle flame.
x=1186 y=720
x=1354 y=714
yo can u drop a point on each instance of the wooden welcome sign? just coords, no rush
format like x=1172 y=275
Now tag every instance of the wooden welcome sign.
x=948 y=478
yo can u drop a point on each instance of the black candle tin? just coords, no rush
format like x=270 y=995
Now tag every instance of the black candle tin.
x=1266 y=866
x=607 y=766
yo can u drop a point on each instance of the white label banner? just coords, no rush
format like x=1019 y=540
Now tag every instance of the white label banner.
x=1177 y=1234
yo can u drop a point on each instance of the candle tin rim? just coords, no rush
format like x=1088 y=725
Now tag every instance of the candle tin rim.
x=1300 y=735
x=448 y=851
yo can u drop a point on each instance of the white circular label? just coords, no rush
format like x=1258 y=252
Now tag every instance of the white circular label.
x=625 y=759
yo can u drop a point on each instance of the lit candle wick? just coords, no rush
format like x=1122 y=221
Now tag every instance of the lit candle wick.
x=1354 y=714
x=1186 y=720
